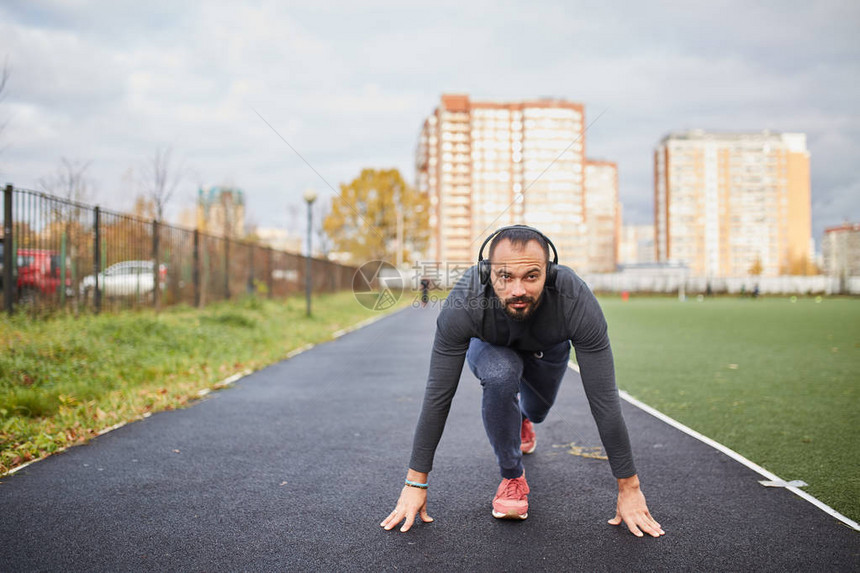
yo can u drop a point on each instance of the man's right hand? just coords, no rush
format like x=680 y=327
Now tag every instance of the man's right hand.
x=412 y=501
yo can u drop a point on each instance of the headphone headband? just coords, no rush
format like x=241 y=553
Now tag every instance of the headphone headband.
x=525 y=227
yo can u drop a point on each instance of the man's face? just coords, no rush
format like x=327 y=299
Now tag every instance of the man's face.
x=518 y=274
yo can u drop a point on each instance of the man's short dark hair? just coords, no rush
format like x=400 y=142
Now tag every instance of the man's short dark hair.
x=518 y=238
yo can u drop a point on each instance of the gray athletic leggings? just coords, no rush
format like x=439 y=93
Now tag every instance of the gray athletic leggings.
x=516 y=384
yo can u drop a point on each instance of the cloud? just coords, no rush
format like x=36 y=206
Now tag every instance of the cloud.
x=348 y=85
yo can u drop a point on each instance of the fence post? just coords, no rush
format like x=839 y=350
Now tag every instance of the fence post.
x=250 y=288
x=63 y=270
x=269 y=282
x=97 y=259
x=8 y=253
x=156 y=271
x=227 y=268
x=195 y=271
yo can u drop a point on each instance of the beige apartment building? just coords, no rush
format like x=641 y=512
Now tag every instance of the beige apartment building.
x=486 y=164
x=733 y=204
x=221 y=211
x=841 y=250
x=603 y=216
x=637 y=245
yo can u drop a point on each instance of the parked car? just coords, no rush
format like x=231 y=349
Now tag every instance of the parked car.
x=39 y=272
x=125 y=279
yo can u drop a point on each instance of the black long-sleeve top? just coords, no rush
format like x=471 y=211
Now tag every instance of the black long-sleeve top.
x=567 y=311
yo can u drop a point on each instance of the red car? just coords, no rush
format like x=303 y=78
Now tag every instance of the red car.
x=39 y=273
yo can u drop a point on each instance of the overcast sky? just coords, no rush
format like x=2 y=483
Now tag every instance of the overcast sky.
x=348 y=85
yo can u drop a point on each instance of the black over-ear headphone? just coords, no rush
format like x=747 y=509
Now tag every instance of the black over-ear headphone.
x=484 y=266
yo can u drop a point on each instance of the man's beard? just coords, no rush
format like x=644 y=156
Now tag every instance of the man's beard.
x=521 y=313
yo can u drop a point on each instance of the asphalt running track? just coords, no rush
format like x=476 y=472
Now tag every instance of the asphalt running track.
x=293 y=468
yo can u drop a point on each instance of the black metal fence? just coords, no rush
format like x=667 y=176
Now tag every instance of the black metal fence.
x=61 y=255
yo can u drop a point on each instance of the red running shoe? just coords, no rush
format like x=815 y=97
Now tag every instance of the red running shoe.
x=512 y=499
x=528 y=438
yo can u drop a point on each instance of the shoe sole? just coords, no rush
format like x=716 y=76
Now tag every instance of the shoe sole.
x=530 y=451
x=512 y=514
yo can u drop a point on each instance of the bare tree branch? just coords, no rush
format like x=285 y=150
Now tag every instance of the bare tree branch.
x=160 y=179
x=69 y=182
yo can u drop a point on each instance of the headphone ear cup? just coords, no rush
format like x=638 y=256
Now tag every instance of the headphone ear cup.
x=484 y=271
x=551 y=272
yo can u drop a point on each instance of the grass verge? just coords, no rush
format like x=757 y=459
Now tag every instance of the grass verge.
x=65 y=379
x=773 y=380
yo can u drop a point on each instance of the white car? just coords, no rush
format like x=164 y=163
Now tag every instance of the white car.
x=128 y=278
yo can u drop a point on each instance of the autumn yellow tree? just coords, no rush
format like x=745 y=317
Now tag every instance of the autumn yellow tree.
x=365 y=217
x=144 y=207
x=756 y=268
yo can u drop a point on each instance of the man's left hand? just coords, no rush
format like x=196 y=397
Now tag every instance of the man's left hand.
x=633 y=511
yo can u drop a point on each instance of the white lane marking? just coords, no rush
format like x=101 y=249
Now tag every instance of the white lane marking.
x=234 y=377
x=364 y=323
x=299 y=350
x=780 y=483
x=112 y=428
x=22 y=466
x=733 y=454
x=339 y=333
x=739 y=458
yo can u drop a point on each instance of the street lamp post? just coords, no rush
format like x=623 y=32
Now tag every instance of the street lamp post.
x=310 y=197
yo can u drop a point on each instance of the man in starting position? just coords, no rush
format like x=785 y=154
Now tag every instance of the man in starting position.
x=513 y=318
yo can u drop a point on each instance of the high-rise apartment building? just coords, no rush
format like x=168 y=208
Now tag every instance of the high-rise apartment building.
x=637 y=245
x=221 y=211
x=841 y=250
x=603 y=215
x=733 y=204
x=486 y=164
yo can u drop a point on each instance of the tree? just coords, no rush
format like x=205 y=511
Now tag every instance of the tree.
x=159 y=180
x=144 y=207
x=756 y=268
x=70 y=182
x=70 y=218
x=363 y=222
x=803 y=265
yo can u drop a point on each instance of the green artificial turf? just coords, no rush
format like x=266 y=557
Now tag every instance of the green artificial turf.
x=776 y=380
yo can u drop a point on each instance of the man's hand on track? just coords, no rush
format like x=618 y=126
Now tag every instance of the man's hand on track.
x=412 y=501
x=633 y=511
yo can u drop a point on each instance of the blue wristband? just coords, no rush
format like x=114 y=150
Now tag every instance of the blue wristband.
x=416 y=484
